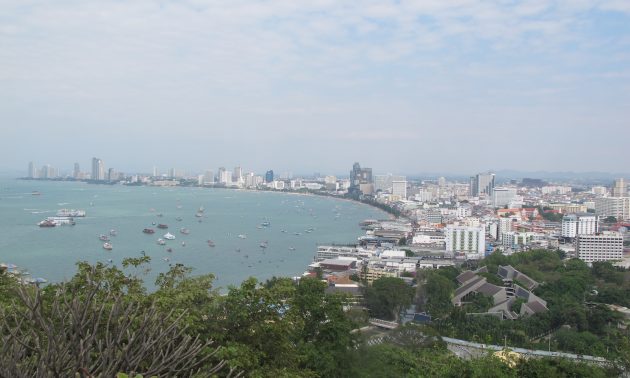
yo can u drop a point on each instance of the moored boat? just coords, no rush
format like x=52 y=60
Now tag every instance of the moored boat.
x=148 y=231
x=107 y=246
x=47 y=223
x=161 y=241
x=162 y=226
x=103 y=237
x=169 y=236
x=184 y=231
x=211 y=243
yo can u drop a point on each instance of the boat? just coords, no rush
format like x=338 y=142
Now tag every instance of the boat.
x=211 y=243
x=56 y=221
x=47 y=223
x=183 y=244
x=291 y=249
x=297 y=234
x=148 y=231
x=198 y=214
x=161 y=241
x=242 y=236
x=35 y=193
x=179 y=219
x=263 y=245
x=169 y=249
x=265 y=224
x=160 y=215
x=184 y=231
x=162 y=226
x=103 y=237
x=169 y=236
x=283 y=231
x=113 y=232
x=70 y=213
x=107 y=246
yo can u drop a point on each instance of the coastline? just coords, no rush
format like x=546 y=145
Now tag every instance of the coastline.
x=389 y=215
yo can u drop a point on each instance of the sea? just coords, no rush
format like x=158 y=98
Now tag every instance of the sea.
x=232 y=219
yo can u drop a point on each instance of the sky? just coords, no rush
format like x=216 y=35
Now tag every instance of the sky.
x=457 y=86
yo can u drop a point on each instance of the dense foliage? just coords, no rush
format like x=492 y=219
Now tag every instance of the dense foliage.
x=277 y=328
x=577 y=296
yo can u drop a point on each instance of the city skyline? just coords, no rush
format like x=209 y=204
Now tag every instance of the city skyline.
x=435 y=86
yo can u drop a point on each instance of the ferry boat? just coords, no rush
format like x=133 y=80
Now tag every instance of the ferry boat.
x=169 y=236
x=70 y=213
x=162 y=226
x=184 y=231
x=46 y=223
x=107 y=246
x=148 y=231
x=103 y=237
x=56 y=221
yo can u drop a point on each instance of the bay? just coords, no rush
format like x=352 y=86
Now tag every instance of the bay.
x=53 y=252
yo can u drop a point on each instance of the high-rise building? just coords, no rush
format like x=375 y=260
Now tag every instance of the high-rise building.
x=155 y=171
x=237 y=175
x=98 y=169
x=600 y=247
x=482 y=183
x=269 y=176
x=441 y=182
x=32 y=171
x=76 y=172
x=579 y=224
x=503 y=196
x=384 y=182
x=620 y=188
x=465 y=242
x=399 y=189
x=208 y=178
x=618 y=207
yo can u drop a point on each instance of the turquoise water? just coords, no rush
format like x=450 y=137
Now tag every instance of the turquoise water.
x=52 y=252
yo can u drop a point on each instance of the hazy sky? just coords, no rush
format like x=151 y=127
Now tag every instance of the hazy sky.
x=401 y=86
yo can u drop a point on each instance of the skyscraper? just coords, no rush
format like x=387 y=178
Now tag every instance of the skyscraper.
x=76 y=172
x=620 y=189
x=98 y=169
x=482 y=183
x=237 y=175
x=32 y=172
x=269 y=176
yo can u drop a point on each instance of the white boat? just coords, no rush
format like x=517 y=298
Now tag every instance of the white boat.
x=161 y=241
x=169 y=236
x=242 y=236
x=70 y=213
x=113 y=232
x=107 y=246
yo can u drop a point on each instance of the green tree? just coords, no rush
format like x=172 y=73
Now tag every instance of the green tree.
x=387 y=297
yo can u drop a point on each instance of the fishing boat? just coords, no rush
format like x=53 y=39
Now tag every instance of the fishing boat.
x=107 y=246
x=148 y=231
x=169 y=236
x=184 y=231
x=103 y=237
x=162 y=226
